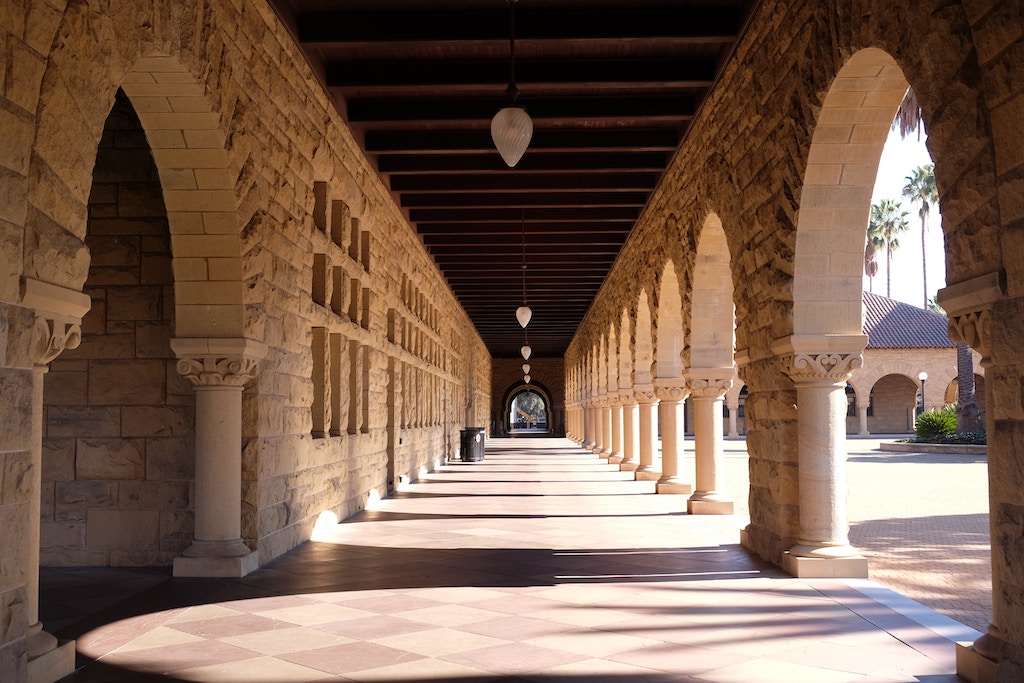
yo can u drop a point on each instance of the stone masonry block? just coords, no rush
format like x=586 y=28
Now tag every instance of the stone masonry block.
x=134 y=303
x=110 y=459
x=86 y=494
x=152 y=421
x=83 y=421
x=15 y=477
x=123 y=530
x=138 y=382
x=58 y=459
x=153 y=495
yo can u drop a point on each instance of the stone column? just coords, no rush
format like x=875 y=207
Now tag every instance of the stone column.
x=862 y=416
x=57 y=326
x=615 y=457
x=606 y=426
x=218 y=369
x=600 y=420
x=588 y=425
x=733 y=410
x=630 y=432
x=820 y=366
x=708 y=387
x=971 y=307
x=671 y=394
x=647 y=400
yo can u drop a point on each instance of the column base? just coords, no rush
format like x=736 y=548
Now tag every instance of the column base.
x=673 y=487
x=628 y=466
x=647 y=474
x=974 y=667
x=53 y=664
x=615 y=458
x=851 y=567
x=706 y=506
x=217 y=567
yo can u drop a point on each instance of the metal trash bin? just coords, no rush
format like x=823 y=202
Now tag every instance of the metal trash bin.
x=471 y=444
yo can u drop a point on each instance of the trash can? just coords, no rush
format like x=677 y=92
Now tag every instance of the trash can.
x=471 y=444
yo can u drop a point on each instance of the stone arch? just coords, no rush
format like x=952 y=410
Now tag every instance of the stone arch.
x=521 y=387
x=863 y=382
x=712 y=312
x=625 y=355
x=189 y=149
x=644 y=346
x=669 y=332
x=612 y=357
x=842 y=164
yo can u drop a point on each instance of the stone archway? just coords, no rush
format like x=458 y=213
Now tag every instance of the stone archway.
x=508 y=401
x=669 y=382
x=711 y=368
x=827 y=342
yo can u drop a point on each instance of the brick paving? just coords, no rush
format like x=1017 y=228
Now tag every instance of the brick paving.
x=541 y=563
x=921 y=520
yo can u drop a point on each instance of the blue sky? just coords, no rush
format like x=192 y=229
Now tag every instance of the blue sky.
x=899 y=158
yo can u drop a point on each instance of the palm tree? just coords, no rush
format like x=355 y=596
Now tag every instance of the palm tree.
x=920 y=189
x=885 y=223
x=870 y=264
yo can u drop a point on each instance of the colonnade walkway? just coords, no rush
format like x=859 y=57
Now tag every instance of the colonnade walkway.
x=539 y=563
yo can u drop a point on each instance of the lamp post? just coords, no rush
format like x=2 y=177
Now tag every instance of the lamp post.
x=922 y=376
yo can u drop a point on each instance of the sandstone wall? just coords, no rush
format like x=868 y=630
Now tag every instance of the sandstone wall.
x=265 y=194
x=744 y=163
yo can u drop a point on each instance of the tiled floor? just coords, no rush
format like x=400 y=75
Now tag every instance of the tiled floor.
x=540 y=563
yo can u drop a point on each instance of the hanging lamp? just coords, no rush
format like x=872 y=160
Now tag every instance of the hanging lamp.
x=512 y=127
x=524 y=313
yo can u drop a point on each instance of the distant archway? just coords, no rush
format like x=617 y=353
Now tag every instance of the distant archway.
x=513 y=402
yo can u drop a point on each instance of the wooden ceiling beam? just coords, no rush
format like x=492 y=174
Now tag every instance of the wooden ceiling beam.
x=654 y=139
x=710 y=24
x=678 y=108
x=680 y=72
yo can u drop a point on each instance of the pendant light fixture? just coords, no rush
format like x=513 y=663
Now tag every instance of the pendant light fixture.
x=512 y=127
x=524 y=314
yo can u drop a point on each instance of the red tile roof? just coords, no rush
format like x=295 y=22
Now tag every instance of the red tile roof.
x=892 y=324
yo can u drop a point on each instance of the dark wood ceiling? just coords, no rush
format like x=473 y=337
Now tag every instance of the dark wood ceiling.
x=611 y=86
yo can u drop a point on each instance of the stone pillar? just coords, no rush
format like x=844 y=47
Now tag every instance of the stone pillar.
x=671 y=394
x=630 y=432
x=862 y=416
x=647 y=400
x=708 y=387
x=615 y=416
x=218 y=369
x=606 y=426
x=971 y=307
x=588 y=426
x=820 y=366
x=600 y=421
x=57 y=327
x=733 y=410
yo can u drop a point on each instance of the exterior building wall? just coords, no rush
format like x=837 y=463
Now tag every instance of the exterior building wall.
x=264 y=188
x=118 y=452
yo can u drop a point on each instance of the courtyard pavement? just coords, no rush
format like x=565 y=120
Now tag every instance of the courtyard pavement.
x=921 y=519
x=540 y=563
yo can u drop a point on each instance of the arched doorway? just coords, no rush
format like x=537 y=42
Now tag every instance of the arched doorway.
x=527 y=410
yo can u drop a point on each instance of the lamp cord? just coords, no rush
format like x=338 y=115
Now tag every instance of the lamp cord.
x=512 y=90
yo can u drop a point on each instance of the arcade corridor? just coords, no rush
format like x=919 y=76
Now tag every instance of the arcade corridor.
x=540 y=563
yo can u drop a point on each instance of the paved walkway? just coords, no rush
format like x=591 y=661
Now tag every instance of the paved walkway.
x=921 y=519
x=540 y=563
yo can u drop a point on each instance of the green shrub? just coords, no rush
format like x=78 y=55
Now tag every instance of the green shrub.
x=933 y=424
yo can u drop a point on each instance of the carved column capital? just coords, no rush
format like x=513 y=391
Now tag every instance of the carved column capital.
x=218 y=362
x=821 y=359
x=974 y=329
x=627 y=396
x=708 y=386
x=674 y=389
x=644 y=393
x=51 y=336
x=828 y=366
